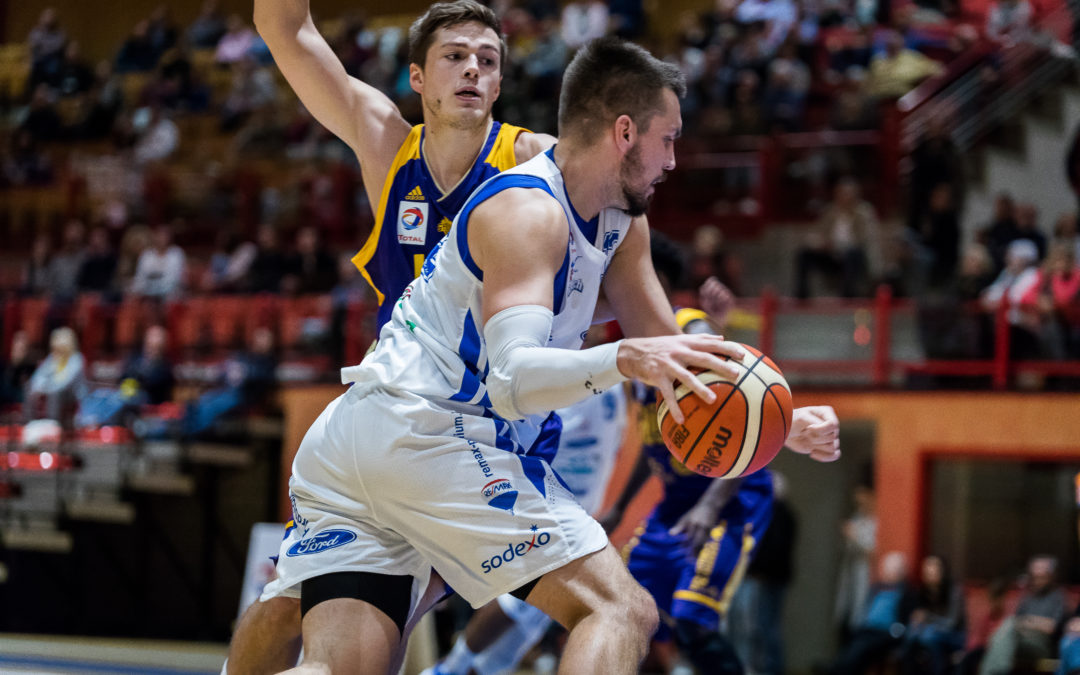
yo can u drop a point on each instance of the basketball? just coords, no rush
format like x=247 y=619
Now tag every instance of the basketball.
x=741 y=431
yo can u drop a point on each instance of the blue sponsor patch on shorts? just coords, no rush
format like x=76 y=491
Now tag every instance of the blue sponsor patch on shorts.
x=323 y=541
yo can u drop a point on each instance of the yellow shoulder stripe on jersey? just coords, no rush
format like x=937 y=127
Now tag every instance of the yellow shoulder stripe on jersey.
x=684 y=317
x=502 y=155
x=410 y=149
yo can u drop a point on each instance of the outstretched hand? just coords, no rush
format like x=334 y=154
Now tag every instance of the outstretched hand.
x=716 y=299
x=815 y=431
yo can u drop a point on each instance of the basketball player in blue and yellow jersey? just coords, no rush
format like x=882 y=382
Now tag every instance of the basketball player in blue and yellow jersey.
x=418 y=176
x=693 y=549
x=415 y=211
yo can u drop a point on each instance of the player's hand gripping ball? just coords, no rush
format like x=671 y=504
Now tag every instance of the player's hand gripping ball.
x=742 y=430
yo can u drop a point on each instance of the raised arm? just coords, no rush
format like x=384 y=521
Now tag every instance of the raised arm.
x=355 y=112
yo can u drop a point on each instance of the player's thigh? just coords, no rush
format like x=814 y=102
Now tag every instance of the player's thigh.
x=350 y=636
x=596 y=583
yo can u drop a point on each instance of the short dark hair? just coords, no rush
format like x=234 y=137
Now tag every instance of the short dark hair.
x=668 y=259
x=610 y=77
x=443 y=14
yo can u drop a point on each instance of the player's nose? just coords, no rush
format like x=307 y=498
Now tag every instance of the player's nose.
x=472 y=66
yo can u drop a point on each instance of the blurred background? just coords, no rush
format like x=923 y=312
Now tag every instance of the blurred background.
x=889 y=187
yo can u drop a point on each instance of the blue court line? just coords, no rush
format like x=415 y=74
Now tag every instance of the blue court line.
x=96 y=666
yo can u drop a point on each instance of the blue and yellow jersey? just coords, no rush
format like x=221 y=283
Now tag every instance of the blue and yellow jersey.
x=413 y=213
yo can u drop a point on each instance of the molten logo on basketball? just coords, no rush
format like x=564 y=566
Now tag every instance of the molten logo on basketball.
x=715 y=452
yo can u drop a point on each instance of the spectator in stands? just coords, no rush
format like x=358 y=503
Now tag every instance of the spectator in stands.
x=16 y=371
x=236 y=42
x=25 y=164
x=137 y=54
x=98 y=269
x=36 y=279
x=755 y=622
x=41 y=118
x=73 y=75
x=1065 y=232
x=1055 y=301
x=66 y=264
x=1020 y=275
x=777 y=16
x=147 y=378
x=46 y=41
x=948 y=329
x=161 y=30
x=104 y=101
x=311 y=269
x=1069 y=649
x=1028 y=635
x=151 y=371
x=842 y=242
x=134 y=242
x=899 y=70
x=253 y=88
x=208 y=27
x=266 y=270
x=176 y=86
x=1027 y=226
x=938 y=235
x=248 y=380
x=583 y=22
x=157 y=135
x=59 y=383
x=1009 y=22
x=159 y=273
x=229 y=264
x=786 y=90
x=936 y=629
x=1001 y=229
x=934 y=160
x=881 y=628
x=983 y=627
x=627 y=18
x=859 y=539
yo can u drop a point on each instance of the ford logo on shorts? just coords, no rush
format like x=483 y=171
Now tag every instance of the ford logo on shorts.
x=323 y=541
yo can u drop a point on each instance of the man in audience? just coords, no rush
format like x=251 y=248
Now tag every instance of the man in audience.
x=899 y=69
x=841 y=243
x=59 y=383
x=159 y=273
x=1028 y=635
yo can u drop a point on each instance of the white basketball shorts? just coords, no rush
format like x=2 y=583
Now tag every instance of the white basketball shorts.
x=389 y=482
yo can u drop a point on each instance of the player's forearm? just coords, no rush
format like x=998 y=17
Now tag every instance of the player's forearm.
x=527 y=378
x=719 y=493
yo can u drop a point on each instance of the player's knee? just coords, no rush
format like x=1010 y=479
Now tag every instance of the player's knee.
x=640 y=612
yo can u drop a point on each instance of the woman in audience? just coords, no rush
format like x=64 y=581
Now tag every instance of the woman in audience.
x=936 y=629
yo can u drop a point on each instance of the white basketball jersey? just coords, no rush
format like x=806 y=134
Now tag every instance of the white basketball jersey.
x=433 y=344
x=592 y=432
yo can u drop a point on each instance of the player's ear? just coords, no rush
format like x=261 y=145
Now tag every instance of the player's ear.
x=416 y=78
x=625 y=133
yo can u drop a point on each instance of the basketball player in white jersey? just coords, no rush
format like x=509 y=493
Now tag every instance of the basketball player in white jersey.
x=456 y=55
x=393 y=478
x=500 y=634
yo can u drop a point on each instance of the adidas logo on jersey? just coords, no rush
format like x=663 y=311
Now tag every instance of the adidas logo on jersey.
x=415 y=195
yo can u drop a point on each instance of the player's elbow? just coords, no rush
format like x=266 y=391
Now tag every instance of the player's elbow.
x=500 y=389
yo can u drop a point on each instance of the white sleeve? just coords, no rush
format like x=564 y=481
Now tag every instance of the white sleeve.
x=527 y=378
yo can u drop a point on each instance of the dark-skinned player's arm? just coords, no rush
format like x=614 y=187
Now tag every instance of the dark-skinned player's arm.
x=519 y=259
x=357 y=113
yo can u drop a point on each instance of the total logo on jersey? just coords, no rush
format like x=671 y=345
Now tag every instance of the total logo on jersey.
x=515 y=551
x=412 y=217
x=500 y=493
